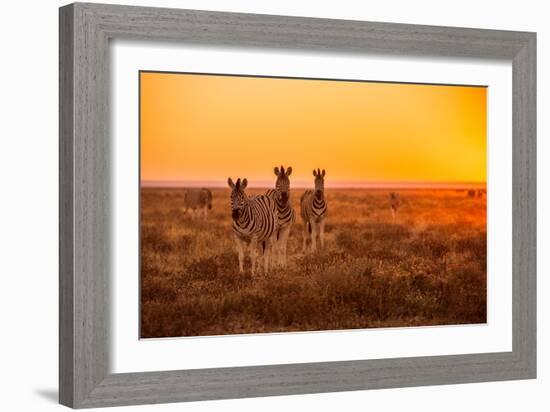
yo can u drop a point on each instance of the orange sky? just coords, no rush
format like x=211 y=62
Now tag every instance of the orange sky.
x=201 y=128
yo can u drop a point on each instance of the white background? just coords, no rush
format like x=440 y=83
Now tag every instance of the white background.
x=28 y=206
x=132 y=355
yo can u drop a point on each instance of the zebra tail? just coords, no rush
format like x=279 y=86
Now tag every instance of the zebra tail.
x=309 y=227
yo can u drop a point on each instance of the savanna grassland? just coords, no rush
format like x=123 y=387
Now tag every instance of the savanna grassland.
x=427 y=267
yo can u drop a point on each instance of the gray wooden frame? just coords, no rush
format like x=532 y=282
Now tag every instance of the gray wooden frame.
x=85 y=31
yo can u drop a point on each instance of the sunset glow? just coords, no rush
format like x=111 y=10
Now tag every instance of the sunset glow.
x=203 y=128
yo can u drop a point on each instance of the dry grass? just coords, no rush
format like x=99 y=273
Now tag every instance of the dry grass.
x=426 y=268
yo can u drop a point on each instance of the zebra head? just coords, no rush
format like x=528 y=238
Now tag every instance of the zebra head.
x=238 y=196
x=282 y=185
x=319 y=183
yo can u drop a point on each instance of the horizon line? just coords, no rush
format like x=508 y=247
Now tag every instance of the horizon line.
x=343 y=184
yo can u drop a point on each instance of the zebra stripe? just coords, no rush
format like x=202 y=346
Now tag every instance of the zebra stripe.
x=285 y=213
x=312 y=207
x=257 y=219
x=254 y=224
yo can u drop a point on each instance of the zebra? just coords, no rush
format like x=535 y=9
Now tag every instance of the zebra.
x=254 y=223
x=395 y=202
x=313 y=209
x=198 y=199
x=285 y=213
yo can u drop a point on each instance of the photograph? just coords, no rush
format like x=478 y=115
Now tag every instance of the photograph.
x=274 y=204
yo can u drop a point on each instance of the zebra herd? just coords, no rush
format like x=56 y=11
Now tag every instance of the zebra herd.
x=262 y=223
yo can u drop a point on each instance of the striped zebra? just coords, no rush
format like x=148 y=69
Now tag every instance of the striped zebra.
x=198 y=200
x=313 y=209
x=285 y=213
x=254 y=223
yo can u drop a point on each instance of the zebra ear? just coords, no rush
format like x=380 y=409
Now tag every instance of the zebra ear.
x=314 y=173
x=323 y=173
x=244 y=183
x=276 y=170
x=230 y=183
x=288 y=170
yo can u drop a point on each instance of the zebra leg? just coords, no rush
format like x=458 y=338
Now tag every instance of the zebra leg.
x=322 y=233
x=283 y=240
x=281 y=245
x=268 y=252
x=274 y=245
x=274 y=250
x=240 y=251
x=305 y=236
x=314 y=231
x=253 y=253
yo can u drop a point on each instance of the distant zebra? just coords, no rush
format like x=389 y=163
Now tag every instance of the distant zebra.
x=254 y=223
x=313 y=209
x=285 y=213
x=395 y=202
x=198 y=199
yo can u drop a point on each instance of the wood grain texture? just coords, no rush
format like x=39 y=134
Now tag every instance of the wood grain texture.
x=524 y=209
x=84 y=226
x=66 y=229
x=85 y=31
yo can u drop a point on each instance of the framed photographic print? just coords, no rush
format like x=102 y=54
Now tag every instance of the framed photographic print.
x=256 y=205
